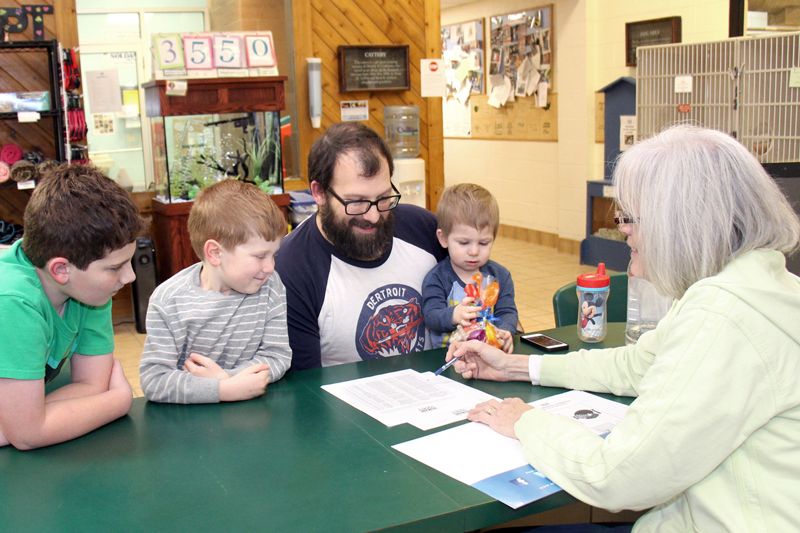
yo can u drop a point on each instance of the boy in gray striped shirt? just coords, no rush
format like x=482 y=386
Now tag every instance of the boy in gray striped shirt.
x=216 y=331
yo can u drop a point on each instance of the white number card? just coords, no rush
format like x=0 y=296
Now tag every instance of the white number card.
x=260 y=51
x=169 y=49
x=228 y=51
x=198 y=52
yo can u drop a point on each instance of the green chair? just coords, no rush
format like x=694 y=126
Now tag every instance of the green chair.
x=565 y=302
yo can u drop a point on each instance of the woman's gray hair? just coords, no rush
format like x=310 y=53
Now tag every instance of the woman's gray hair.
x=701 y=199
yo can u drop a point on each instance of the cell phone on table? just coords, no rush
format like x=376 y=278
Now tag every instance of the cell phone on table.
x=544 y=342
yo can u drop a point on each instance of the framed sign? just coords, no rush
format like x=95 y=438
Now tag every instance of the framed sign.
x=374 y=68
x=648 y=33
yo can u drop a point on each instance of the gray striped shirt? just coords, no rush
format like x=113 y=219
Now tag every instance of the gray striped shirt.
x=235 y=330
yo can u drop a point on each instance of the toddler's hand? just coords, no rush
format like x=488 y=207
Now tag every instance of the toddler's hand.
x=506 y=340
x=465 y=312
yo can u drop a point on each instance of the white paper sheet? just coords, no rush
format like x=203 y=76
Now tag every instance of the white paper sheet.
x=496 y=464
x=407 y=396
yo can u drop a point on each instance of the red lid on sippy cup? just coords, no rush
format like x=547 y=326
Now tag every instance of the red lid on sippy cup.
x=595 y=280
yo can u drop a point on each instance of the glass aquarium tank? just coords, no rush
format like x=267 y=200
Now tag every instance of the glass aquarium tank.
x=190 y=152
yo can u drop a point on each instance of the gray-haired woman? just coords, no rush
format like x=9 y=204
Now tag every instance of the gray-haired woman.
x=711 y=441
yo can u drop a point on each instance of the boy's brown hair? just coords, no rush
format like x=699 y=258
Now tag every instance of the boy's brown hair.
x=468 y=204
x=232 y=211
x=78 y=213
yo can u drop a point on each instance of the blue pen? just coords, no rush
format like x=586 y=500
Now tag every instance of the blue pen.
x=447 y=365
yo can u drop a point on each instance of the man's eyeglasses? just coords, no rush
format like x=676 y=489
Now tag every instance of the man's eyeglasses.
x=621 y=218
x=360 y=207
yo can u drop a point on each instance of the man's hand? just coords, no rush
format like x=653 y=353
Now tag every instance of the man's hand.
x=203 y=367
x=3 y=440
x=500 y=416
x=465 y=312
x=249 y=383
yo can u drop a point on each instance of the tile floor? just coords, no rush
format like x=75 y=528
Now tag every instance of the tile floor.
x=537 y=272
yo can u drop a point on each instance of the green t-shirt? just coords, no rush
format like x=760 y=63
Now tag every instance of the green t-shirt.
x=34 y=340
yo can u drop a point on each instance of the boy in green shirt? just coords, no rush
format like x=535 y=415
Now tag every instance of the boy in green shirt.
x=56 y=286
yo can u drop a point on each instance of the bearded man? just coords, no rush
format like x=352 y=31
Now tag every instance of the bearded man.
x=353 y=272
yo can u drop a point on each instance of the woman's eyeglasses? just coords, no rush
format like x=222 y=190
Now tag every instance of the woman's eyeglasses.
x=621 y=218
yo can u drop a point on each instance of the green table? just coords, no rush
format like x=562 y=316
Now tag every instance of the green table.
x=296 y=459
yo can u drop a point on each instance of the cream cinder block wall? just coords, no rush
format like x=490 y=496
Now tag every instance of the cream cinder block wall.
x=542 y=185
x=701 y=21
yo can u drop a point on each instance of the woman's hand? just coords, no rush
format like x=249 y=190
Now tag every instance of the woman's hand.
x=479 y=360
x=500 y=416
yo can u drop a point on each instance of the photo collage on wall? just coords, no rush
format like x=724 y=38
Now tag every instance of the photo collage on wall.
x=463 y=53
x=521 y=56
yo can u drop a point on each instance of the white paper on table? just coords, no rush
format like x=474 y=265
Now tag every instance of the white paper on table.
x=407 y=396
x=502 y=470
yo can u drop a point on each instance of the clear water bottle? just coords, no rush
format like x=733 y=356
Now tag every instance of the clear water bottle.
x=646 y=307
x=402 y=130
x=593 y=290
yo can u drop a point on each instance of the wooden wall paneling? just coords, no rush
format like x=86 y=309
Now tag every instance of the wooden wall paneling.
x=302 y=32
x=434 y=125
x=66 y=22
x=320 y=27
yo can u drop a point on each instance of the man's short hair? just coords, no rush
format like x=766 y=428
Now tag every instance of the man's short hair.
x=230 y=212
x=347 y=137
x=468 y=204
x=78 y=213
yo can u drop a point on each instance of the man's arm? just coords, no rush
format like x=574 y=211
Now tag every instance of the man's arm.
x=30 y=420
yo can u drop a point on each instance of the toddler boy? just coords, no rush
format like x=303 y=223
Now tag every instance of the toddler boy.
x=468 y=219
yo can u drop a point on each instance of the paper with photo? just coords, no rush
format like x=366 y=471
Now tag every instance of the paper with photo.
x=407 y=396
x=502 y=470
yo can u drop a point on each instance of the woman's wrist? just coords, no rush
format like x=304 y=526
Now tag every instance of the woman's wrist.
x=516 y=368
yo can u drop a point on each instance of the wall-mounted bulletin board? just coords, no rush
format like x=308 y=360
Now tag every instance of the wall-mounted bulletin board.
x=519 y=104
x=463 y=52
x=522 y=55
x=521 y=120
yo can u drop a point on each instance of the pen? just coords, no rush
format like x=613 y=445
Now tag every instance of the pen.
x=447 y=365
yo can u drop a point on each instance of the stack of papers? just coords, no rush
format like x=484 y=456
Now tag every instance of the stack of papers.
x=420 y=399
x=495 y=464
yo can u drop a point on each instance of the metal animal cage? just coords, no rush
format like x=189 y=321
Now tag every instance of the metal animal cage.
x=739 y=86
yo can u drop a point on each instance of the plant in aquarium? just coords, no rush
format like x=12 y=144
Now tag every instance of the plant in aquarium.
x=264 y=156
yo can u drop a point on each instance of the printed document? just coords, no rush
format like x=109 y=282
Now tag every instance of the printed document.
x=502 y=471
x=407 y=396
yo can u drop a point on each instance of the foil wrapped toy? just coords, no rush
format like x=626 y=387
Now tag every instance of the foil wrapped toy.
x=485 y=291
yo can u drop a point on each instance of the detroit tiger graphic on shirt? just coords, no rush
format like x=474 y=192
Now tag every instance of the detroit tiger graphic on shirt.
x=394 y=328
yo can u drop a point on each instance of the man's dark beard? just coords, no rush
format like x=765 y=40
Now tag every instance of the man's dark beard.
x=357 y=246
